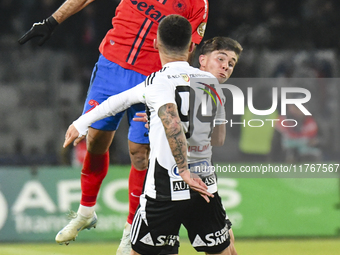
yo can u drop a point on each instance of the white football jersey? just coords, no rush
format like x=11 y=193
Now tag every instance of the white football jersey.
x=197 y=98
x=172 y=85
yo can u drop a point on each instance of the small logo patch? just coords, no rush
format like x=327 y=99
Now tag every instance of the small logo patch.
x=147 y=239
x=201 y=28
x=185 y=77
x=179 y=6
x=198 y=242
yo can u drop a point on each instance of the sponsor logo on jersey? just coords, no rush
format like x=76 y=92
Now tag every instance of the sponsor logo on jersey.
x=148 y=10
x=210 y=180
x=93 y=103
x=147 y=239
x=218 y=237
x=212 y=239
x=199 y=167
x=179 y=6
x=198 y=75
x=179 y=185
x=192 y=167
x=167 y=240
x=198 y=242
x=182 y=185
x=173 y=76
x=185 y=77
x=199 y=148
x=174 y=171
x=201 y=28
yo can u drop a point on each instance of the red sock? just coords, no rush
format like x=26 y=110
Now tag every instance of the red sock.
x=94 y=170
x=136 y=181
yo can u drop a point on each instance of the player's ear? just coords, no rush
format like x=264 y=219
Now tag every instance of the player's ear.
x=155 y=43
x=192 y=47
x=202 y=59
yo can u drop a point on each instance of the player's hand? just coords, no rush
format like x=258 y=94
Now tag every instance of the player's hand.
x=142 y=117
x=71 y=135
x=42 y=29
x=196 y=184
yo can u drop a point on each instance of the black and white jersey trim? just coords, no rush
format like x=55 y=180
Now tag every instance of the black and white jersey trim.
x=162 y=182
x=136 y=224
x=149 y=79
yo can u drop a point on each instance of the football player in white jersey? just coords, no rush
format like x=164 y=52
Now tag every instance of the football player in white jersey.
x=169 y=198
x=218 y=56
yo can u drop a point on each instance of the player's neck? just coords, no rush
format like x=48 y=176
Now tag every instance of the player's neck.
x=168 y=59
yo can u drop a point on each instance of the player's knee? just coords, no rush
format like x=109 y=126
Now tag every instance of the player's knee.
x=232 y=237
x=139 y=161
x=139 y=156
x=98 y=141
x=232 y=250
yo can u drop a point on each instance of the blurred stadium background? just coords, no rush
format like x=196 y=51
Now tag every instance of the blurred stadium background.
x=42 y=90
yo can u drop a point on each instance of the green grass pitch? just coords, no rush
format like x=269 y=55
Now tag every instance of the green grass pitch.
x=243 y=247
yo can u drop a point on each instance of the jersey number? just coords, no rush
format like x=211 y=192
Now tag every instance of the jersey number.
x=185 y=93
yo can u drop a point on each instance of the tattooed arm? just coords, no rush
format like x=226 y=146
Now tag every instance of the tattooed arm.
x=176 y=138
x=174 y=132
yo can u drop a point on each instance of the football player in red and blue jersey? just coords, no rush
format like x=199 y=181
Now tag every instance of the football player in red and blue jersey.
x=127 y=56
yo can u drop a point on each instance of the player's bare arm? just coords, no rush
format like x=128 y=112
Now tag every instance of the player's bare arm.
x=45 y=28
x=70 y=7
x=175 y=135
x=110 y=107
x=218 y=135
x=174 y=132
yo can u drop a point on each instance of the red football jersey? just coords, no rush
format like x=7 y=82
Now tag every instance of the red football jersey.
x=130 y=42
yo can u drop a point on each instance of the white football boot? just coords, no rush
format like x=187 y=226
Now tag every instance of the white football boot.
x=77 y=224
x=125 y=243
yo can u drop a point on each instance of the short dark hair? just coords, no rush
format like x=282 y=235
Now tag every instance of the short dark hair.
x=221 y=43
x=175 y=31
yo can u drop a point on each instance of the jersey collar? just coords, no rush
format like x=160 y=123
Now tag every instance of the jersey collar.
x=176 y=63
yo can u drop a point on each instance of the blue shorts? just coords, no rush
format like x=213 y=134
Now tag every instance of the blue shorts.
x=109 y=79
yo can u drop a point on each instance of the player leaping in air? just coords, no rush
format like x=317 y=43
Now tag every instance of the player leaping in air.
x=127 y=56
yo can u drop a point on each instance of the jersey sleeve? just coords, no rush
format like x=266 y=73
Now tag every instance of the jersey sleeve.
x=110 y=107
x=158 y=94
x=198 y=19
